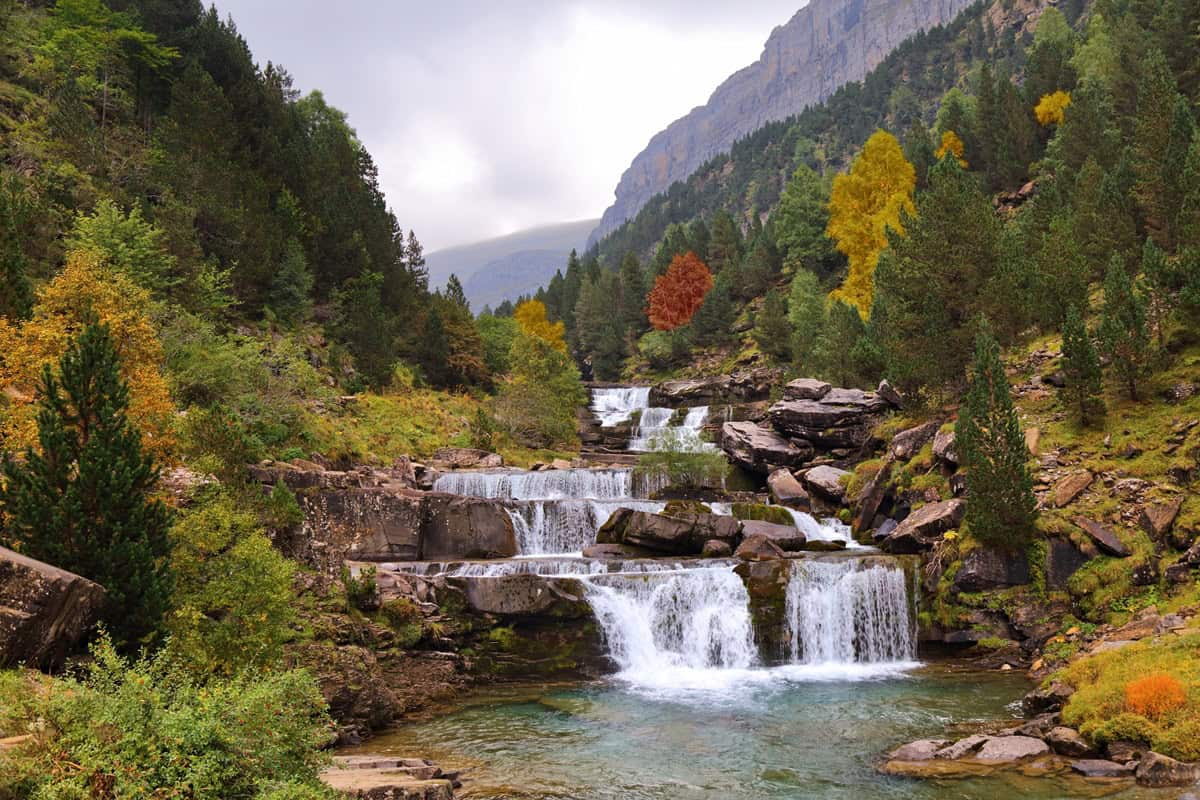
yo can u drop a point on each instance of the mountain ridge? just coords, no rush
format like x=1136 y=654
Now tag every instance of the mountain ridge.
x=825 y=45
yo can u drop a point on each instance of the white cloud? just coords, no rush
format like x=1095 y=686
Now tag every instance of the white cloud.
x=486 y=117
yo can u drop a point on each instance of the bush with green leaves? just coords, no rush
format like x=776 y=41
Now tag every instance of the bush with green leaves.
x=676 y=462
x=149 y=728
x=232 y=607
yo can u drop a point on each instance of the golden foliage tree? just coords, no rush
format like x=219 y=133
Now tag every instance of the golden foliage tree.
x=531 y=316
x=865 y=202
x=1051 y=109
x=84 y=288
x=679 y=292
x=954 y=146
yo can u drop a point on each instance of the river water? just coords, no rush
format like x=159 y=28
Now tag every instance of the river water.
x=691 y=710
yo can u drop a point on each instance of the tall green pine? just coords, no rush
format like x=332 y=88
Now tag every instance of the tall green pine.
x=1123 y=328
x=84 y=500
x=1081 y=370
x=1001 y=509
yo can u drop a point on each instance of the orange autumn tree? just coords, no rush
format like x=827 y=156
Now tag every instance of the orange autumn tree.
x=531 y=317
x=84 y=287
x=679 y=292
x=864 y=203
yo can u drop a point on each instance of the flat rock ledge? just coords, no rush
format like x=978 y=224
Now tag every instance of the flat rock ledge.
x=385 y=778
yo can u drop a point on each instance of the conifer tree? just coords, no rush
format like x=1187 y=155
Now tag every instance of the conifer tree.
x=1162 y=281
x=711 y=324
x=633 y=295
x=289 y=296
x=455 y=294
x=1187 y=224
x=771 y=330
x=83 y=501
x=1001 y=508
x=1123 y=326
x=837 y=352
x=806 y=315
x=918 y=149
x=800 y=221
x=1156 y=98
x=434 y=352
x=1081 y=369
x=16 y=291
x=725 y=243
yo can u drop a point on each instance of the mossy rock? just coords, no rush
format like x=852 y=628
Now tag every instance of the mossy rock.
x=679 y=507
x=762 y=513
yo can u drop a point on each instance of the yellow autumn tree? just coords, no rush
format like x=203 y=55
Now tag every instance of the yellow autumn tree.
x=865 y=202
x=953 y=145
x=1051 y=109
x=84 y=287
x=531 y=316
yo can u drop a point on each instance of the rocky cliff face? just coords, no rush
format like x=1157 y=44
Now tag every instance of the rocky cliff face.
x=826 y=44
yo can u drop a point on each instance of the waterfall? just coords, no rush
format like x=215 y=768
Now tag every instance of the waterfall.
x=668 y=629
x=654 y=432
x=616 y=405
x=556 y=527
x=564 y=484
x=848 y=611
x=826 y=530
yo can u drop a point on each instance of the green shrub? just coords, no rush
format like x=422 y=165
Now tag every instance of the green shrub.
x=232 y=606
x=672 y=462
x=148 y=728
x=362 y=592
x=280 y=510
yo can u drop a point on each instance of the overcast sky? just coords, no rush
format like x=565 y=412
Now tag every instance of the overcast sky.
x=489 y=116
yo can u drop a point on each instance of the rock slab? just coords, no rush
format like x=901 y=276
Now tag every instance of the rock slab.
x=44 y=611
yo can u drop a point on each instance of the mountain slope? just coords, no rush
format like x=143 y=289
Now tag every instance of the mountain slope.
x=825 y=45
x=507 y=266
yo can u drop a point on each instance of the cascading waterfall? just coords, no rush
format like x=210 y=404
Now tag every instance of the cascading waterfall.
x=554 y=484
x=848 y=611
x=660 y=628
x=566 y=526
x=616 y=405
x=654 y=431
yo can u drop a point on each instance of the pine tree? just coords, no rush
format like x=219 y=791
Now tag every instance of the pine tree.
x=16 y=291
x=771 y=330
x=1081 y=369
x=712 y=323
x=918 y=149
x=800 y=221
x=1162 y=281
x=1123 y=326
x=837 y=350
x=1156 y=101
x=633 y=295
x=454 y=292
x=806 y=315
x=289 y=296
x=1187 y=224
x=1175 y=187
x=434 y=352
x=84 y=500
x=724 y=243
x=1001 y=508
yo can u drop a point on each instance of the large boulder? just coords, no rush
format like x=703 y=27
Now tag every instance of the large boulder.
x=675 y=534
x=786 y=537
x=943 y=447
x=908 y=443
x=766 y=584
x=1158 y=771
x=786 y=490
x=1157 y=519
x=758 y=548
x=986 y=568
x=524 y=596
x=871 y=496
x=1063 y=559
x=1069 y=488
x=44 y=611
x=1011 y=748
x=806 y=389
x=760 y=449
x=843 y=418
x=465 y=458
x=387 y=778
x=466 y=527
x=356 y=525
x=922 y=529
x=741 y=386
x=828 y=481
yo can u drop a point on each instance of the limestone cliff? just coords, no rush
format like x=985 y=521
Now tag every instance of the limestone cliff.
x=826 y=44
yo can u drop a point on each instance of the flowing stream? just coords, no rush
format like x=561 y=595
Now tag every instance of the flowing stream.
x=657 y=428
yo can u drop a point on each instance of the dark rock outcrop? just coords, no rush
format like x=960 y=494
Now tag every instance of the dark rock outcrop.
x=466 y=527
x=758 y=548
x=986 y=568
x=760 y=449
x=922 y=529
x=1156 y=771
x=786 y=490
x=677 y=534
x=740 y=387
x=908 y=443
x=1103 y=538
x=828 y=481
x=44 y=611
x=524 y=596
x=843 y=418
x=786 y=537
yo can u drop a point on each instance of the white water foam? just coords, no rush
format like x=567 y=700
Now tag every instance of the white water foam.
x=616 y=405
x=843 y=611
x=654 y=432
x=553 y=484
x=554 y=527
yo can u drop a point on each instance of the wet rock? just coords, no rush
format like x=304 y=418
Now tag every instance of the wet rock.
x=871 y=496
x=1124 y=752
x=806 y=389
x=884 y=530
x=920 y=750
x=1011 y=748
x=466 y=527
x=618 y=551
x=987 y=568
x=1156 y=771
x=1067 y=742
x=890 y=394
x=1103 y=538
x=787 y=537
x=1158 y=518
x=681 y=534
x=760 y=449
x=829 y=481
x=907 y=444
x=741 y=386
x=1040 y=725
x=714 y=548
x=922 y=529
x=44 y=611
x=962 y=748
x=1069 y=488
x=758 y=548
x=824 y=545
x=524 y=596
x=766 y=584
x=1063 y=559
x=1101 y=768
x=1049 y=698
x=786 y=490
x=943 y=447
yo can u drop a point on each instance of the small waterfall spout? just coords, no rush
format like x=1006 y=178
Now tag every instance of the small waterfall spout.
x=616 y=405
x=669 y=627
x=849 y=611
